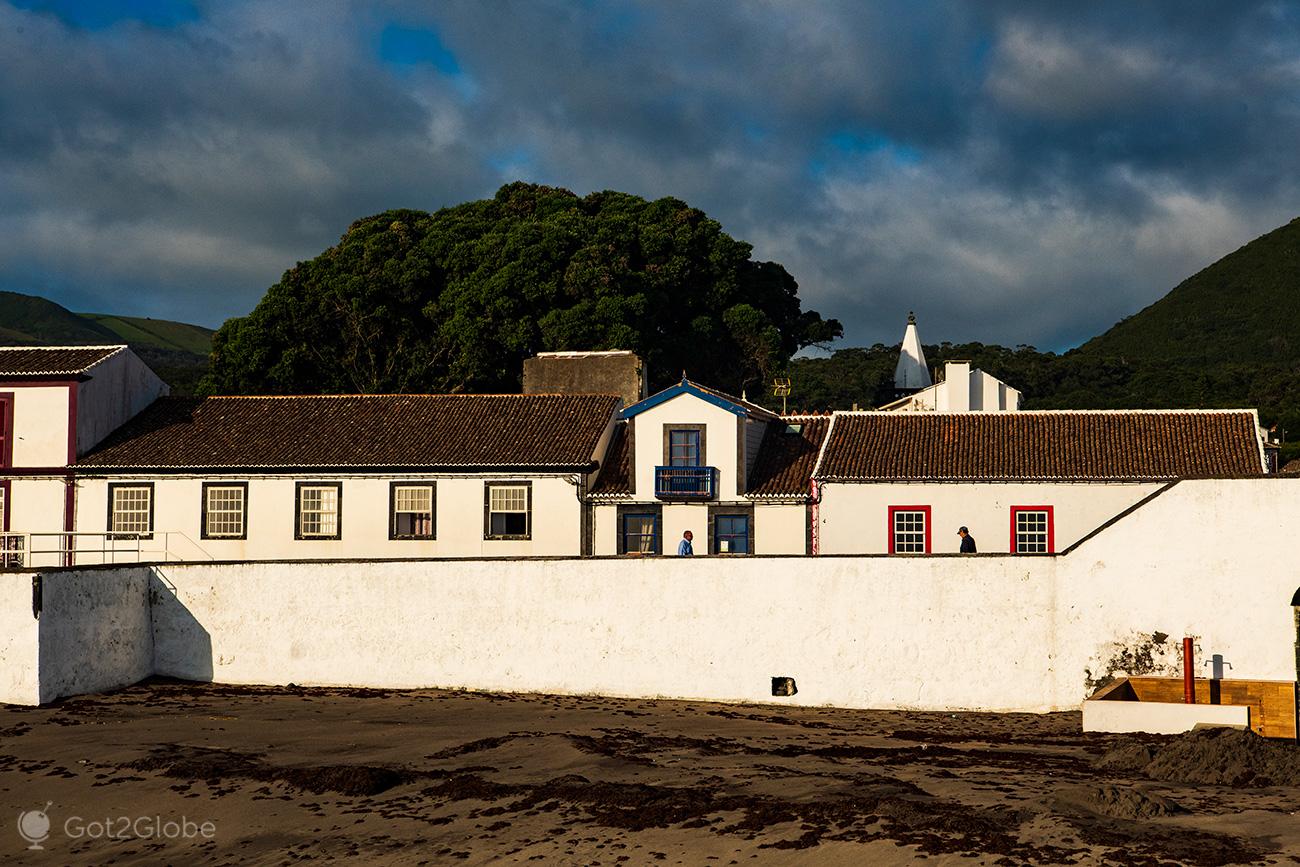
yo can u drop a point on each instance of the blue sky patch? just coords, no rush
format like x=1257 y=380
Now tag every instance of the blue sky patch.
x=101 y=14
x=410 y=46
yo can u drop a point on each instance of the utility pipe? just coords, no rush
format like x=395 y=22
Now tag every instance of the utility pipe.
x=1189 y=672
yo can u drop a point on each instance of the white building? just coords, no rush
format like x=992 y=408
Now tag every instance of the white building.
x=692 y=458
x=565 y=475
x=56 y=404
x=1024 y=483
x=348 y=476
x=961 y=389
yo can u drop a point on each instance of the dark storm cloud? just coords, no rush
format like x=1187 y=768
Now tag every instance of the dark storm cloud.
x=1020 y=173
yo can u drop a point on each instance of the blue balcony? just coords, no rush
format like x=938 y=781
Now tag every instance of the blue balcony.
x=685 y=483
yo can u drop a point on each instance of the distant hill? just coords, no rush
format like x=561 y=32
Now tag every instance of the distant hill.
x=1243 y=308
x=1229 y=336
x=177 y=351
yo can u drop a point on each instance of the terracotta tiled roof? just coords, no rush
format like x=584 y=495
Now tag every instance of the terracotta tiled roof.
x=427 y=431
x=17 y=361
x=1112 y=445
x=1291 y=468
x=615 y=479
x=785 y=460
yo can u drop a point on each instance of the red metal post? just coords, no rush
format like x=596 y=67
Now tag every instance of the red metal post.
x=1189 y=672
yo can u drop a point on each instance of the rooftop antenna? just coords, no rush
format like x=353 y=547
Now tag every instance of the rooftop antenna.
x=781 y=389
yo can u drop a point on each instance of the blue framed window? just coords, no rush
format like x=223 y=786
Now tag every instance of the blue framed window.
x=640 y=533
x=684 y=448
x=731 y=534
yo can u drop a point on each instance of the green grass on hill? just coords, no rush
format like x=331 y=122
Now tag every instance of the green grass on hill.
x=158 y=333
x=176 y=351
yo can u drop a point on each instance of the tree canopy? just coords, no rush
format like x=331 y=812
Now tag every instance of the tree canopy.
x=453 y=301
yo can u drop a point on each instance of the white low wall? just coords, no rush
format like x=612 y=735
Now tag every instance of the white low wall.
x=851 y=632
x=95 y=631
x=1212 y=559
x=19 y=641
x=1158 y=717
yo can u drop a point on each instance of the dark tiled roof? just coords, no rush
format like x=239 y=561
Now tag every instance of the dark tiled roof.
x=616 y=471
x=1042 y=445
x=1291 y=468
x=785 y=460
x=428 y=431
x=51 y=360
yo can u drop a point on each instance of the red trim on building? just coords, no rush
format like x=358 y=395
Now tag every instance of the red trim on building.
x=69 y=517
x=4 y=485
x=72 y=423
x=890 y=527
x=1051 y=525
x=7 y=429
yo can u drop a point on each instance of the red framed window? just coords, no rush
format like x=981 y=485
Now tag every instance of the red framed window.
x=909 y=529
x=1033 y=530
x=7 y=429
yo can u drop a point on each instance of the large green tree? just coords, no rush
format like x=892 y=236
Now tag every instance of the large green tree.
x=453 y=301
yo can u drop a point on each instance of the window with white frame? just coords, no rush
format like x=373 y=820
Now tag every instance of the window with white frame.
x=318 y=511
x=130 y=509
x=224 y=508
x=1032 y=529
x=412 y=512
x=508 y=508
x=909 y=529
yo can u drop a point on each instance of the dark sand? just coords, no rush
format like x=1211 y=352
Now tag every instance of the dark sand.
x=293 y=775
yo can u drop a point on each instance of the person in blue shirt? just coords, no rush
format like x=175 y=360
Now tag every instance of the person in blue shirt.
x=684 y=548
x=967 y=541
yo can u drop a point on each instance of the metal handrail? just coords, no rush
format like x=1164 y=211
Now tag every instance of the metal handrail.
x=685 y=482
x=26 y=550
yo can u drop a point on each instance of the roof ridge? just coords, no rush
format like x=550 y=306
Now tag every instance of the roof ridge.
x=821 y=452
x=1039 y=412
x=48 y=348
x=392 y=394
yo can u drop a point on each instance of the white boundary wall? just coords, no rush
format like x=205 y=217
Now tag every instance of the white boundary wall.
x=1214 y=559
x=19 y=641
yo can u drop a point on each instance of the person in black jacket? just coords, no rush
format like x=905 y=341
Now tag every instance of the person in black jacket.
x=967 y=541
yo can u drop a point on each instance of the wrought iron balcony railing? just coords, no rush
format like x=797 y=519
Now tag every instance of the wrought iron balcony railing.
x=685 y=483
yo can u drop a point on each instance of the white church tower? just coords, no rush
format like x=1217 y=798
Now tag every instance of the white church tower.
x=911 y=374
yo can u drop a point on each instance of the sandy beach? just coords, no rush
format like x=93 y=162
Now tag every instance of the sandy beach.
x=168 y=772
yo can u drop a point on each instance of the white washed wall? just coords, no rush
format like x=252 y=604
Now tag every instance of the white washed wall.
x=36 y=505
x=854 y=517
x=119 y=387
x=19 y=641
x=40 y=425
x=556 y=517
x=95 y=631
x=1213 y=559
x=779 y=528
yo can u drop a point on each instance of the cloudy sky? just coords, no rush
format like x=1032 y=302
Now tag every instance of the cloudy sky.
x=1015 y=174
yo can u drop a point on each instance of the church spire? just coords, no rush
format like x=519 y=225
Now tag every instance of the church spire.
x=911 y=374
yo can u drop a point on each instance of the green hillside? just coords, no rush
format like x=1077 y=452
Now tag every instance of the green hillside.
x=176 y=351
x=156 y=333
x=1228 y=336
x=1243 y=308
x=28 y=319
